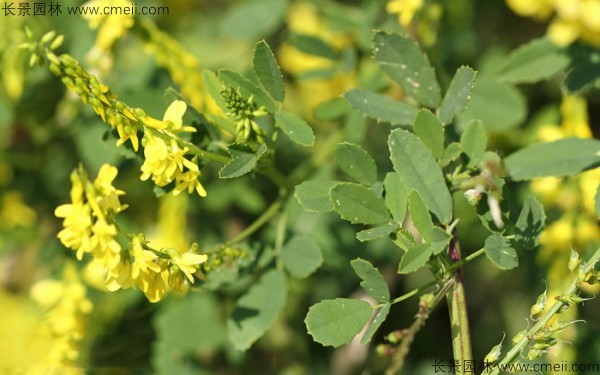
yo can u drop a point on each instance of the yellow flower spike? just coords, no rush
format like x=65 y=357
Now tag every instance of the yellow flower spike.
x=111 y=27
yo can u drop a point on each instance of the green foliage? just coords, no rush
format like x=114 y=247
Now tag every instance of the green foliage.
x=243 y=160
x=357 y=163
x=256 y=310
x=537 y=60
x=498 y=105
x=314 y=195
x=474 y=142
x=301 y=256
x=358 y=204
x=498 y=249
x=381 y=108
x=530 y=224
x=458 y=94
x=336 y=322
x=565 y=157
x=400 y=57
x=295 y=128
x=313 y=45
x=417 y=169
x=372 y=281
x=268 y=72
x=429 y=129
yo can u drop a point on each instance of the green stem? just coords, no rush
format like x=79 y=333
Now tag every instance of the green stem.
x=459 y=318
x=410 y=333
x=262 y=219
x=545 y=318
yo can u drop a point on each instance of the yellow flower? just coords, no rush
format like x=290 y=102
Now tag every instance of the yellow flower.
x=189 y=181
x=188 y=263
x=154 y=285
x=111 y=26
x=105 y=247
x=119 y=277
x=77 y=225
x=406 y=9
x=143 y=260
x=14 y=212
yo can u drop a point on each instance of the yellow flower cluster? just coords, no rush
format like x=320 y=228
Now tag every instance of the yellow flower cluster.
x=570 y=19
x=66 y=307
x=89 y=220
x=90 y=227
x=165 y=158
x=165 y=161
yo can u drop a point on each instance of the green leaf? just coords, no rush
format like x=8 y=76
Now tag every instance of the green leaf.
x=451 y=153
x=294 y=127
x=458 y=94
x=404 y=240
x=257 y=309
x=253 y=19
x=268 y=72
x=314 y=195
x=415 y=258
x=535 y=61
x=312 y=45
x=440 y=240
x=565 y=157
x=400 y=57
x=420 y=215
x=372 y=280
x=376 y=232
x=376 y=323
x=243 y=160
x=358 y=204
x=356 y=162
x=396 y=196
x=247 y=88
x=418 y=170
x=301 y=256
x=332 y=109
x=530 y=223
x=474 y=142
x=498 y=250
x=185 y=327
x=335 y=322
x=597 y=202
x=585 y=67
x=498 y=105
x=429 y=129
x=381 y=108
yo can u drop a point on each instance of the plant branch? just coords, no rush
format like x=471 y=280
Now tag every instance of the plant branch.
x=545 y=318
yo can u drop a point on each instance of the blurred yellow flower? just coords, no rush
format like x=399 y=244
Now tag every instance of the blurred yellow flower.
x=14 y=212
x=111 y=26
x=571 y=19
x=406 y=9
